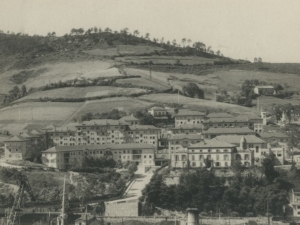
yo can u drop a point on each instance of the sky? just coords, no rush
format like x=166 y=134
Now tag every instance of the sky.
x=241 y=29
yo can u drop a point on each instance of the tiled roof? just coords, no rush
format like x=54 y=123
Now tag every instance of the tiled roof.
x=228 y=120
x=219 y=115
x=188 y=127
x=143 y=127
x=29 y=135
x=17 y=139
x=249 y=116
x=268 y=86
x=235 y=130
x=103 y=122
x=235 y=139
x=128 y=118
x=269 y=135
x=189 y=113
x=212 y=144
x=186 y=136
x=99 y=147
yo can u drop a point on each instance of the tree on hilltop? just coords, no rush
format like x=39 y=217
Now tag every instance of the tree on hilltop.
x=136 y=33
x=199 y=46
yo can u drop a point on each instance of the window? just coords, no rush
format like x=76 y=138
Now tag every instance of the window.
x=193 y=157
x=193 y=164
x=217 y=157
x=200 y=157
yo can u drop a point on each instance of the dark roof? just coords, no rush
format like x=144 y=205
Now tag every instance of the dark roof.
x=143 y=127
x=189 y=113
x=212 y=144
x=102 y=122
x=99 y=147
x=234 y=130
x=186 y=136
x=269 y=135
x=219 y=115
x=188 y=127
x=235 y=139
x=128 y=118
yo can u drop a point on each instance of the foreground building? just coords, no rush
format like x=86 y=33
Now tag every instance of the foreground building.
x=65 y=157
x=18 y=148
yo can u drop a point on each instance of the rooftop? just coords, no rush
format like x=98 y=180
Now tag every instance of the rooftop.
x=103 y=122
x=266 y=86
x=235 y=139
x=189 y=113
x=143 y=127
x=234 y=130
x=269 y=135
x=187 y=127
x=16 y=139
x=249 y=116
x=212 y=144
x=219 y=115
x=186 y=136
x=228 y=120
x=68 y=148
x=157 y=108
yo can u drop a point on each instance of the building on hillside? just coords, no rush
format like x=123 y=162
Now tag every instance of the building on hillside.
x=146 y=134
x=252 y=142
x=295 y=201
x=158 y=112
x=17 y=148
x=256 y=122
x=244 y=154
x=178 y=141
x=264 y=90
x=130 y=120
x=227 y=123
x=219 y=115
x=61 y=136
x=210 y=153
x=64 y=157
x=37 y=139
x=96 y=132
x=277 y=137
x=184 y=117
x=163 y=140
x=214 y=132
x=187 y=129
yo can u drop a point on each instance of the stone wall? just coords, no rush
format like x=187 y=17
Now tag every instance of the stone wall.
x=122 y=208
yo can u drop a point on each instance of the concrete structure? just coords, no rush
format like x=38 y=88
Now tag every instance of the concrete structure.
x=214 y=132
x=64 y=157
x=210 y=153
x=146 y=134
x=264 y=90
x=184 y=117
x=158 y=112
x=18 y=148
x=295 y=201
x=192 y=216
x=178 y=141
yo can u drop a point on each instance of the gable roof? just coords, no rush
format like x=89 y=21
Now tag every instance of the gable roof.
x=235 y=139
x=212 y=144
x=186 y=136
x=67 y=148
x=188 y=127
x=128 y=118
x=189 y=113
x=102 y=122
x=270 y=135
x=234 y=130
x=228 y=120
x=249 y=116
x=219 y=115
x=143 y=127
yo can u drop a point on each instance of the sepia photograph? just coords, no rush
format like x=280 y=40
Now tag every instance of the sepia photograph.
x=149 y=112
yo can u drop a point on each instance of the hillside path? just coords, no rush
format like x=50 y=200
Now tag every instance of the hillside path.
x=67 y=121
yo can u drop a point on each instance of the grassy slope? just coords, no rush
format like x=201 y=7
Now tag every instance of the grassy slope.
x=193 y=103
x=82 y=92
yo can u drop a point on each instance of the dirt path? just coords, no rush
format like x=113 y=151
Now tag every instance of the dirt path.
x=67 y=121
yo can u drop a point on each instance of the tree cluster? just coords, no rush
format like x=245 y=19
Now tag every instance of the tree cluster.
x=192 y=90
x=243 y=194
x=15 y=94
x=114 y=114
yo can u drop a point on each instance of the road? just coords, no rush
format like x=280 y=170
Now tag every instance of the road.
x=134 y=191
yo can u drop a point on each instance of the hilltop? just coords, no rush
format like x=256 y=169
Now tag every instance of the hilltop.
x=53 y=79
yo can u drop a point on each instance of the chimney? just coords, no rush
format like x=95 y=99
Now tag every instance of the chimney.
x=243 y=143
x=192 y=216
